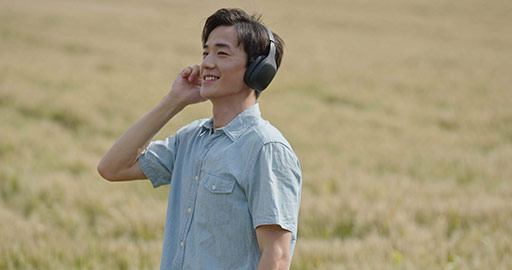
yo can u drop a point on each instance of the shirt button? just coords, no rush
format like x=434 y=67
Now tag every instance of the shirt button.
x=189 y=210
x=196 y=178
x=182 y=244
x=214 y=187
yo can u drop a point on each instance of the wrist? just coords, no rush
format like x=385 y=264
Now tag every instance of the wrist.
x=167 y=108
x=173 y=103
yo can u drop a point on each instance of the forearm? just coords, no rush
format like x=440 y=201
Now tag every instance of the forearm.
x=125 y=151
x=274 y=260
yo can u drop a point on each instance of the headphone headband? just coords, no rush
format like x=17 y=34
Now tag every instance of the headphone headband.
x=272 y=50
x=270 y=35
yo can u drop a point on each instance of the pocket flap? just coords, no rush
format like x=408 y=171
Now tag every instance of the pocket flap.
x=217 y=184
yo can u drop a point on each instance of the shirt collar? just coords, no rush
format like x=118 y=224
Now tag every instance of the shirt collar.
x=239 y=125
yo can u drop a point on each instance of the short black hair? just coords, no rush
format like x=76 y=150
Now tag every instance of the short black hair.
x=251 y=33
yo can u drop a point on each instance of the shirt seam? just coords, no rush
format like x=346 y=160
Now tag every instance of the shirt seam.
x=253 y=160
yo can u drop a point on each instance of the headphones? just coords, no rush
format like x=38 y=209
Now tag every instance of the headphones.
x=262 y=70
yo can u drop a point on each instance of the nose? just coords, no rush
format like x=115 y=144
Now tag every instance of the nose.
x=207 y=63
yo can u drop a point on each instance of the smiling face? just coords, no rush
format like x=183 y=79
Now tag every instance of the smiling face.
x=223 y=66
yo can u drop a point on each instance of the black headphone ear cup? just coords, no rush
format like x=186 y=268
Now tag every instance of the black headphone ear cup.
x=262 y=70
x=249 y=77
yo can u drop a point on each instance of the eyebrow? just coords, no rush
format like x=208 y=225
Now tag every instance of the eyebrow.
x=220 y=45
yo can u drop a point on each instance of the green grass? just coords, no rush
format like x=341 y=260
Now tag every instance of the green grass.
x=400 y=113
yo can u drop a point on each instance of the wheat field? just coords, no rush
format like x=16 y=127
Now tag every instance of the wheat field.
x=400 y=112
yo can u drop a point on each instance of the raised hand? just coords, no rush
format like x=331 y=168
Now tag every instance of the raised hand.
x=187 y=86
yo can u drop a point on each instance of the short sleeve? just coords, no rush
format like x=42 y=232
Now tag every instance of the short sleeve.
x=274 y=187
x=157 y=161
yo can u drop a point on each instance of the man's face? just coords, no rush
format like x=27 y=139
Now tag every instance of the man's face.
x=223 y=66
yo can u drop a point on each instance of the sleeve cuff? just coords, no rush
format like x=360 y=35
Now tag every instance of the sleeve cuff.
x=285 y=225
x=145 y=165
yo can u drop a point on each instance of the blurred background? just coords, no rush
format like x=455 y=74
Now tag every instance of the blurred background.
x=400 y=112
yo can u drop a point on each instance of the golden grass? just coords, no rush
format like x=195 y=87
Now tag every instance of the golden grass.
x=400 y=112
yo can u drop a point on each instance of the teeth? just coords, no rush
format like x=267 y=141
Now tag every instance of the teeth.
x=210 y=78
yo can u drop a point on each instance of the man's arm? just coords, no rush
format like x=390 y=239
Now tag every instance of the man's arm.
x=120 y=162
x=274 y=243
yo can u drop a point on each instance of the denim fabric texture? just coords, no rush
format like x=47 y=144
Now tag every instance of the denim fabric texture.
x=223 y=184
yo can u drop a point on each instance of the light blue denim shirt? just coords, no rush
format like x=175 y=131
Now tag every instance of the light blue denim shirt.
x=222 y=186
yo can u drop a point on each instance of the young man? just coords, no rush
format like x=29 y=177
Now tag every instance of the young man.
x=234 y=180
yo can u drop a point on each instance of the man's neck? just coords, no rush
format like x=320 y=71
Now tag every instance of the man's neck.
x=227 y=109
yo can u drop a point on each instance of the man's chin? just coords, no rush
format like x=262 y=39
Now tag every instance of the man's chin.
x=204 y=93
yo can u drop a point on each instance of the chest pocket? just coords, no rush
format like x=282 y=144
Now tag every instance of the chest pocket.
x=214 y=205
x=219 y=185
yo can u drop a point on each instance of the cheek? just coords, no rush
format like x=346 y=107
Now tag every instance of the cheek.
x=237 y=79
x=239 y=74
x=234 y=76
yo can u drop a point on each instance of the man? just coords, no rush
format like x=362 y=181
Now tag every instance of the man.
x=234 y=180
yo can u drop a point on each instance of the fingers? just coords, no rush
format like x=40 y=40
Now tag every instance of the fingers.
x=191 y=73
x=194 y=75
x=185 y=72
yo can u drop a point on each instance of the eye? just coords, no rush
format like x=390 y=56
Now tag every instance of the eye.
x=222 y=53
x=205 y=54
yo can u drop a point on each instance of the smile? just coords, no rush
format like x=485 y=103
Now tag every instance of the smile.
x=211 y=78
